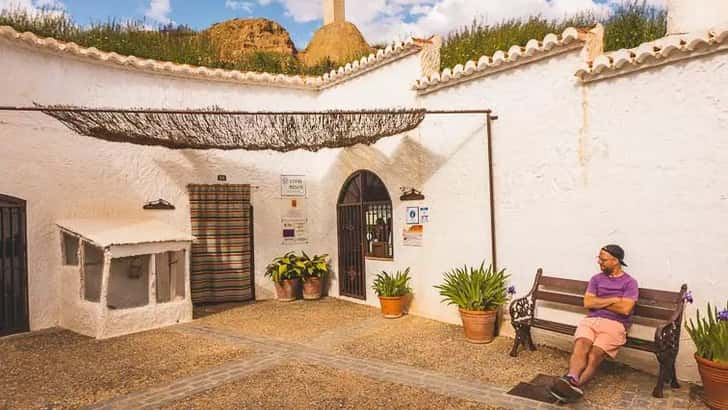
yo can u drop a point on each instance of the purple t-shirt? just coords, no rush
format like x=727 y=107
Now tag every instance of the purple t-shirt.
x=604 y=286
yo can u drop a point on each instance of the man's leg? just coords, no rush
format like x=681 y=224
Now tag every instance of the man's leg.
x=580 y=357
x=595 y=358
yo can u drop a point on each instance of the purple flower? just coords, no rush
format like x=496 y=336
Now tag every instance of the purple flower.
x=511 y=290
x=688 y=297
x=723 y=315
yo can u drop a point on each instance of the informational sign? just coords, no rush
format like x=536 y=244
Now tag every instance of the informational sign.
x=412 y=235
x=293 y=186
x=413 y=215
x=294 y=230
x=424 y=214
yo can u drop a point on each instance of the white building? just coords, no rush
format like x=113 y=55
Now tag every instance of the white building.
x=628 y=148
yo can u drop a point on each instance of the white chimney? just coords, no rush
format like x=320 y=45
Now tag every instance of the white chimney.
x=687 y=16
x=334 y=11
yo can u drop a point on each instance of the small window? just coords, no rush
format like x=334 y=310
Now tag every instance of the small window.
x=129 y=282
x=93 y=268
x=69 y=246
x=170 y=276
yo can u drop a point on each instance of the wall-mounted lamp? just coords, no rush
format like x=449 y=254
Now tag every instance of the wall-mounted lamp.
x=159 y=204
x=411 y=194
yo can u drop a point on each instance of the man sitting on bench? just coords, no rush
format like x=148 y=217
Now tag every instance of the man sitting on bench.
x=610 y=298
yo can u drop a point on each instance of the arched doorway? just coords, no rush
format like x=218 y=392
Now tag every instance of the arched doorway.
x=364 y=215
x=13 y=267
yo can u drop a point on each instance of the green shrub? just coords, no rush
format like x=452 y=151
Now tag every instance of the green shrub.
x=710 y=334
x=288 y=266
x=394 y=285
x=475 y=288
x=316 y=267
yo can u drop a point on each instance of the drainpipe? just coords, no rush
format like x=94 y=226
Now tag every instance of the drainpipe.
x=489 y=130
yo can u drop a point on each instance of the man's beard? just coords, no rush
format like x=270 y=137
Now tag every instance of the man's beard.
x=607 y=271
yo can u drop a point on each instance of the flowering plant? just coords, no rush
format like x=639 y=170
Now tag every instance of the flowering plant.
x=710 y=334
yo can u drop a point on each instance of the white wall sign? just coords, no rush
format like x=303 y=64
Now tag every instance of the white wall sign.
x=413 y=215
x=294 y=230
x=293 y=186
x=424 y=214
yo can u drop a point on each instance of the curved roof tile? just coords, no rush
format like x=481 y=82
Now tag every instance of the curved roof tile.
x=534 y=50
x=655 y=53
x=353 y=69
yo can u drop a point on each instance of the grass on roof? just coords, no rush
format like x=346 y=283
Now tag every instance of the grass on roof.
x=629 y=25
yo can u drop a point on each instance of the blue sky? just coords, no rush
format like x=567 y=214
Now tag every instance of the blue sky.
x=379 y=20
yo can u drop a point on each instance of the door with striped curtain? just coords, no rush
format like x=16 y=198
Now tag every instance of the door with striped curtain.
x=221 y=263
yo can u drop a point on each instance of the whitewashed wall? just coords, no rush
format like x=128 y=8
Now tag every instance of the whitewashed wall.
x=634 y=160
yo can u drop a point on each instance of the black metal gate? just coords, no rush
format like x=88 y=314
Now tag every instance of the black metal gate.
x=351 y=251
x=13 y=267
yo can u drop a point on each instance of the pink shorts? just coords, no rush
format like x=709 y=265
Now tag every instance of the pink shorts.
x=608 y=335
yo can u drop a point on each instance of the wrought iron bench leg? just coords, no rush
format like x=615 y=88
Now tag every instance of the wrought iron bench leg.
x=667 y=372
x=674 y=383
x=523 y=337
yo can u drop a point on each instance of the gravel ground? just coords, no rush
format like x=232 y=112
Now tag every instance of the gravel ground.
x=60 y=369
x=301 y=386
x=439 y=346
x=296 y=321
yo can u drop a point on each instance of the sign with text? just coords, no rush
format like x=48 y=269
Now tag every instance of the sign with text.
x=293 y=186
x=294 y=230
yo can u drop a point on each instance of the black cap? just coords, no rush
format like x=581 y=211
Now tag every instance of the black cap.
x=616 y=251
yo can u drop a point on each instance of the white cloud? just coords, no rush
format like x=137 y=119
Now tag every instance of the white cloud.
x=245 y=6
x=159 y=10
x=32 y=6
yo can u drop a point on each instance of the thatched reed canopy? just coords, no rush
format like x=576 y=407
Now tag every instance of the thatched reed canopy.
x=227 y=130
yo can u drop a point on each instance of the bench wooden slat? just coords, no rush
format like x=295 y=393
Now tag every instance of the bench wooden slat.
x=650 y=312
x=569 y=285
x=660 y=296
x=564 y=298
x=639 y=344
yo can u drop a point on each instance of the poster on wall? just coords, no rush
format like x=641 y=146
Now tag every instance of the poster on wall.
x=424 y=214
x=293 y=186
x=294 y=230
x=412 y=235
x=413 y=215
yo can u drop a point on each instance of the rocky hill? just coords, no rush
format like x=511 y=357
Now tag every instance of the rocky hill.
x=234 y=38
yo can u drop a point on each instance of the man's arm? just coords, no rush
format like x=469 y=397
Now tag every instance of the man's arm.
x=591 y=301
x=624 y=306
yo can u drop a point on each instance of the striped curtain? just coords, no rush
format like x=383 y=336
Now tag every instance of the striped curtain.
x=222 y=253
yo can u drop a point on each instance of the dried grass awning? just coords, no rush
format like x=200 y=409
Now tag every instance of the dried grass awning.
x=227 y=130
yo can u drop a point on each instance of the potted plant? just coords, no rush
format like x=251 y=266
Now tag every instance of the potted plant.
x=710 y=335
x=391 y=289
x=285 y=272
x=314 y=272
x=478 y=293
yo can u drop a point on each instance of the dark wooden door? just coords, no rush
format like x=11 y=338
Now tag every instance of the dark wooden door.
x=352 y=277
x=13 y=267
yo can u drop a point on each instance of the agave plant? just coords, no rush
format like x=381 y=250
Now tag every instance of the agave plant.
x=475 y=288
x=316 y=267
x=394 y=285
x=710 y=334
x=288 y=266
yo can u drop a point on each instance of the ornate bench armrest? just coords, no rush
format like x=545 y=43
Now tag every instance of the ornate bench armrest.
x=521 y=308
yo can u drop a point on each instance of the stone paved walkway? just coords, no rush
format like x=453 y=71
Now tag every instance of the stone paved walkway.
x=270 y=353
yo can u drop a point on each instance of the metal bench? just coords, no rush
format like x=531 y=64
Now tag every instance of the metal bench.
x=666 y=308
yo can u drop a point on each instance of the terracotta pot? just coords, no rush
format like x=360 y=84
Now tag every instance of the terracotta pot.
x=715 y=382
x=479 y=325
x=391 y=306
x=287 y=290
x=312 y=289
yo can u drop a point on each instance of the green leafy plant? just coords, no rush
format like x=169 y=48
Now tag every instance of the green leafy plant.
x=710 y=334
x=288 y=266
x=475 y=288
x=393 y=285
x=316 y=267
